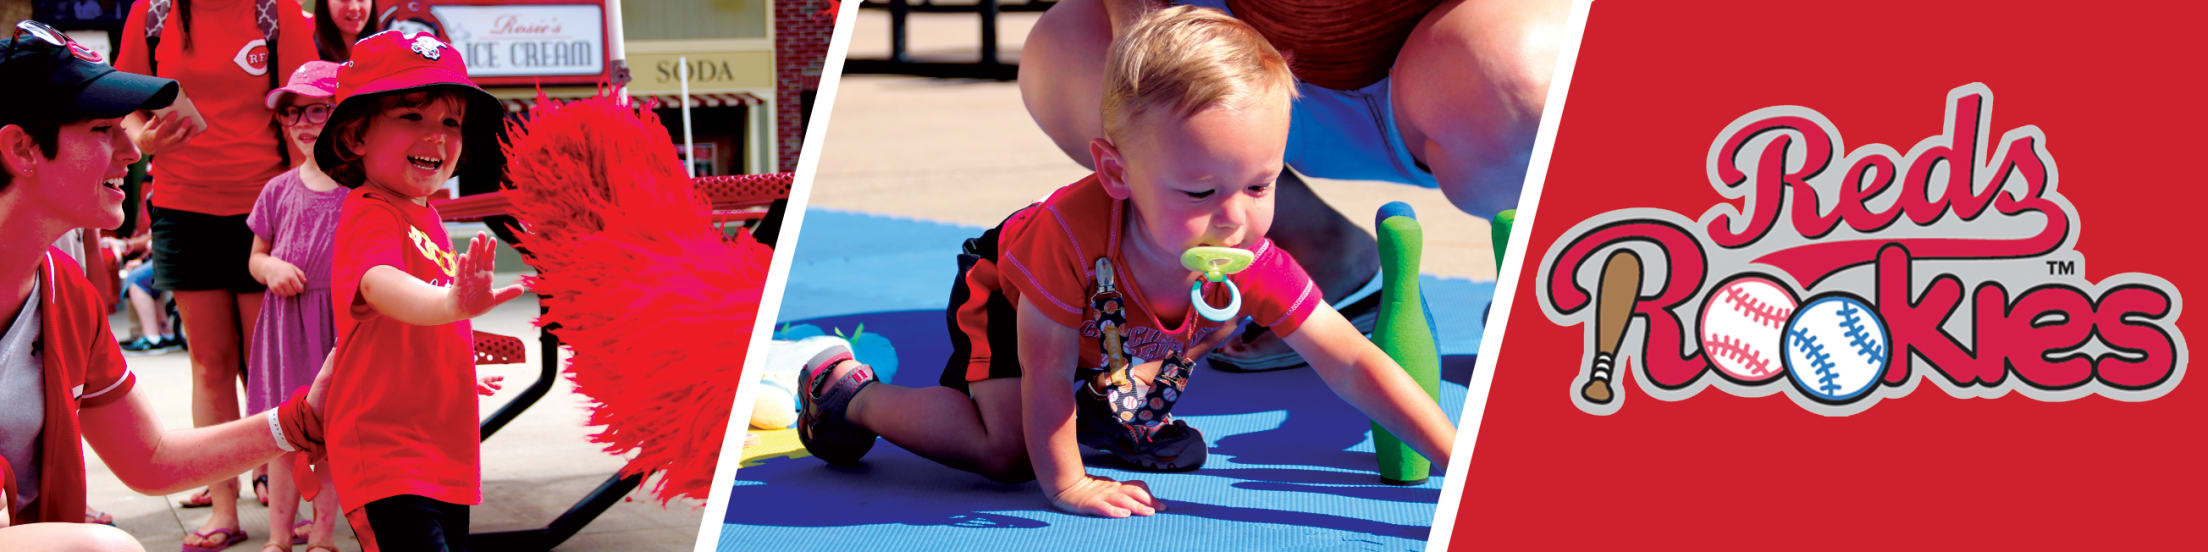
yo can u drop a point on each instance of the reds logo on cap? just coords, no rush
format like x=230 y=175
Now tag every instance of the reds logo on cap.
x=428 y=47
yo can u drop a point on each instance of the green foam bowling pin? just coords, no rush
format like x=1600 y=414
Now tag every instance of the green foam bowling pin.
x=1403 y=332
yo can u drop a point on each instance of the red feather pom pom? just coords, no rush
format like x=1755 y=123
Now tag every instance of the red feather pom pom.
x=655 y=303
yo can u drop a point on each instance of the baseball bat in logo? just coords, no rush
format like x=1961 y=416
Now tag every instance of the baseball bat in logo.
x=1843 y=276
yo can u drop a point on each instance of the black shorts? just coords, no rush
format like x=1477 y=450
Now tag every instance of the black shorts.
x=409 y=522
x=201 y=252
x=985 y=338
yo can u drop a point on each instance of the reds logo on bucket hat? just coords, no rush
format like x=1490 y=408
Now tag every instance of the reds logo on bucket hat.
x=392 y=62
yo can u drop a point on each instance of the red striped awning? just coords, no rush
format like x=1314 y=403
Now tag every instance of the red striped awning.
x=665 y=101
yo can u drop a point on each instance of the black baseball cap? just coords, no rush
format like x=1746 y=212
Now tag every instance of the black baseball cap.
x=64 y=82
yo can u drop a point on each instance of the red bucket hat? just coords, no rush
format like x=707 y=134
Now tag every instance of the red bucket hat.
x=390 y=62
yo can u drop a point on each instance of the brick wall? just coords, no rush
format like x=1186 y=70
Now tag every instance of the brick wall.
x=802 y=29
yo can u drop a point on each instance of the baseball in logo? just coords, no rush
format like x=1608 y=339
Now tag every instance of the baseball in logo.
x=1841 y=276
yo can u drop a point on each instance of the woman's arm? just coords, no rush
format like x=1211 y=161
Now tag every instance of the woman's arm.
x=152 y=460
x=155 y=461
x=1363 y=375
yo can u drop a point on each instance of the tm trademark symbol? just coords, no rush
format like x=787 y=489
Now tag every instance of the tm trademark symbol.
x=2062 y=268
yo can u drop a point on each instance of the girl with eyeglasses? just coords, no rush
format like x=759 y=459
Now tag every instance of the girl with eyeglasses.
x=294 y=222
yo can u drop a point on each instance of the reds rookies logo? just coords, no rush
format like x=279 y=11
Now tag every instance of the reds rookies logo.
x=1844 y=276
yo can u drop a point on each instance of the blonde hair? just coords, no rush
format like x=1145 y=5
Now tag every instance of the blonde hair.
x=1188 y=58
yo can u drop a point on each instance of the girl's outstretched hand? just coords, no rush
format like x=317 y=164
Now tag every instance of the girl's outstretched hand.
x=471 y=289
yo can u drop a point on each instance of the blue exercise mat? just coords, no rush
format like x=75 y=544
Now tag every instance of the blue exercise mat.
x=1291 y=465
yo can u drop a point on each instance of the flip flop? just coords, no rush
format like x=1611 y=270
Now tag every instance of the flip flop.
x=296 y=538
x=231 y=537
x=97 y=517
x=260 y=488
x=205 y=498
x=1362 y=308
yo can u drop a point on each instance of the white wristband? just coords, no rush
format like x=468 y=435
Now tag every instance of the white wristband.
x=276 y=429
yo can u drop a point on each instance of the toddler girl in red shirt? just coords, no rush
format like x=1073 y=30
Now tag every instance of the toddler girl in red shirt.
x=402 y=406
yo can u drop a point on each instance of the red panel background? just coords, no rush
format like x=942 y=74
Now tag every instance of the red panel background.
x=2116 y=90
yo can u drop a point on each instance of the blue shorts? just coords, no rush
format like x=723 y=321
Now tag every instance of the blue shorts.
x=1346 y=134
x=142 y=278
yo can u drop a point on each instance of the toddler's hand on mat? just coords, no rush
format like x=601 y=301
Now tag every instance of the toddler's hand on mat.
x=471 y=290
x=1098 y=496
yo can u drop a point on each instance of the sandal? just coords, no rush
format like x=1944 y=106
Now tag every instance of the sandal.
x=1362 y=308
x=260 y=488
x=205 y=498
x=828 y=384
x=1174 y=447
x=97 y=517
x=230 y=537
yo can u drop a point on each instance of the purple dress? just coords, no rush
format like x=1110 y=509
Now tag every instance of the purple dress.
x=294 y=333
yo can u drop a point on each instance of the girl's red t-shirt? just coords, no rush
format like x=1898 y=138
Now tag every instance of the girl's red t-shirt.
x=225 y=73
x=1049 y=255
x=401 y=411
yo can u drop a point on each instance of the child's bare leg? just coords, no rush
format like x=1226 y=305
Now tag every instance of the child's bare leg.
x=978 y=433
x=149 y=313
x=324 y=528
x=283 y=503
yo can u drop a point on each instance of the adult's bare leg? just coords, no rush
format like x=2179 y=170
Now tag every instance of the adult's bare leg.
x=218 y=341
x=1062 y=74
x=1469 y=87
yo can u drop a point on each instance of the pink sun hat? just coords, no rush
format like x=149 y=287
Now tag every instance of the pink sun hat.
x=314 y=79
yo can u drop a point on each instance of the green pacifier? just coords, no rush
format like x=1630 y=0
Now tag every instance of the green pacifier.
x=1213 y=264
